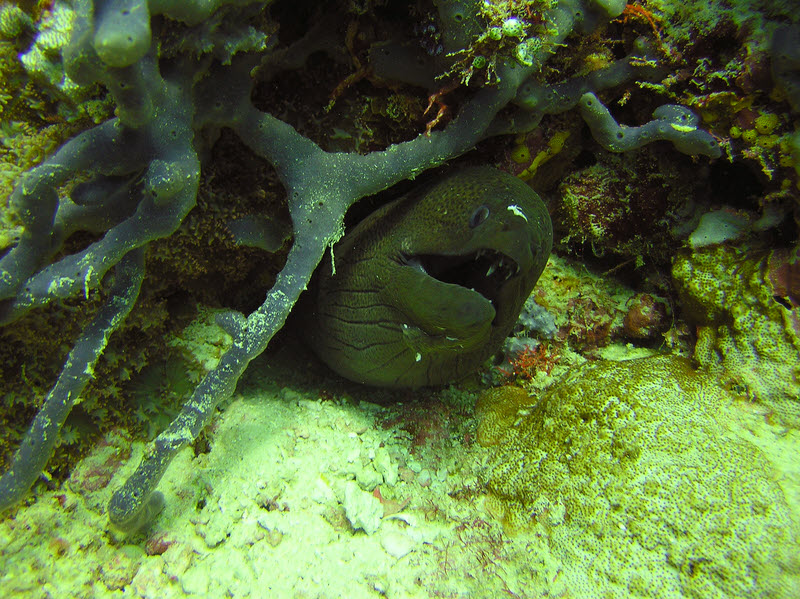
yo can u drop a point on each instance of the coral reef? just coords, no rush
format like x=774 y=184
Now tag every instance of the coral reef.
x=143 y=167
x=224 y=132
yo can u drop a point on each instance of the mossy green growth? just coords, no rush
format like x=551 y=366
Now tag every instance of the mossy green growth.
x=483 y=34
x=631 y=471
x=690 y=19
x=745 y=330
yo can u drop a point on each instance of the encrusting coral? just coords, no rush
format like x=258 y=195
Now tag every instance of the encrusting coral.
x=140 y=172
x=745 y=306
x=633 y=466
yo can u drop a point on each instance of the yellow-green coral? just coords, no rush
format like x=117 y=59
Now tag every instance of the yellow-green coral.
x=43 y=60
x=631 y=471
x=13 y=21
x=554 y=146
x=767 y=141
x=743 y=330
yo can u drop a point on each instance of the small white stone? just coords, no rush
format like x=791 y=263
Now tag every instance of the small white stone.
x=322 y=493
x=362 y=509
x=310 y=404
x=424 y=478
x=368 y=478
x=397 y=544
x=195 y=581
x=384 y=466
x=288 y=394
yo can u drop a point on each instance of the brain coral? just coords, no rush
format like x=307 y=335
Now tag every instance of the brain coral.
x=632 y=471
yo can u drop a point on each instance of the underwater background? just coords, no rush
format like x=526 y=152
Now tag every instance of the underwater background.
x=165 y=166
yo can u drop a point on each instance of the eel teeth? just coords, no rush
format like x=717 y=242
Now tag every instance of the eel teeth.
x=505 y=268
x=413 y=262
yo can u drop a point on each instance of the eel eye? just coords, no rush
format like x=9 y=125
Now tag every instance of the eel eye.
x=481 y=214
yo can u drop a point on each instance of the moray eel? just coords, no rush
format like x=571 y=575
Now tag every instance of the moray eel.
x=426 y=288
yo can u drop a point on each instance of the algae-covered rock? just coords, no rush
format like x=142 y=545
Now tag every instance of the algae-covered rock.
x=748 y=321
x=633 y=472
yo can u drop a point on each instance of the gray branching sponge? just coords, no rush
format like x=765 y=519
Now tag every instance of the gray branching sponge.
x=671 y=122
x=38 y=445
x=123 y=33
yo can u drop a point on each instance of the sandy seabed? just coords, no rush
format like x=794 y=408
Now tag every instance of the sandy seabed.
x=302 y=493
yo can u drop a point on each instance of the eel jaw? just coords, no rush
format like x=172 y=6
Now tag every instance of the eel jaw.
x=485 y=271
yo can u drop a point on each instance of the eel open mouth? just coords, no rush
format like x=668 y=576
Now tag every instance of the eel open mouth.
x=485 y=271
